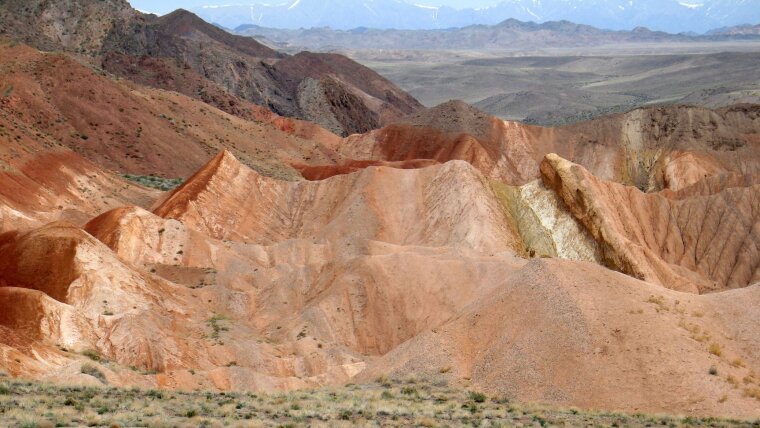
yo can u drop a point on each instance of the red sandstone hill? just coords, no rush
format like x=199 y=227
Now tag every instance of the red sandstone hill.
x=242 y=282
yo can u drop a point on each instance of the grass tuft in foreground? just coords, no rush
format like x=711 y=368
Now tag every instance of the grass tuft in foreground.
x=383 y=403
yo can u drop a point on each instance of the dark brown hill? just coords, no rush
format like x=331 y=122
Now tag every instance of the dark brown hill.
x=330 y=90
x=185 y=24
x=128 y=128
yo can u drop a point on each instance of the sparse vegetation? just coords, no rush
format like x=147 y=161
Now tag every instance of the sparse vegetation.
x=659 y=302
x=695 y=331
x=716 y=349
x=408 y=390
x=217 y=325
x=93 y=371
x=733 y=381
x=752 y=392
x=154 y=182
x=8 y=91
x=366 y=405
x=92 y=354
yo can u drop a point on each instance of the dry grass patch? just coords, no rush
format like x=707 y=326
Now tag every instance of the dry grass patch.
x=388 y=402
x=716 y=349
x=659 y=302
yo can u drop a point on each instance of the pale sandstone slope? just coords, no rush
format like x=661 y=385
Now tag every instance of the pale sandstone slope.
x=575 y=333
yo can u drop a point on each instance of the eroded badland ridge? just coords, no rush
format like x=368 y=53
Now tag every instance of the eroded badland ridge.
x=608 y=264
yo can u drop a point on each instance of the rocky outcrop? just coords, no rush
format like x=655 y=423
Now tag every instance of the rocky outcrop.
x=76 y=26
x=451 y=245
x=702 y=243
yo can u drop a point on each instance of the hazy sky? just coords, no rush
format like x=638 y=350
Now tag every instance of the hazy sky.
x=164 y=6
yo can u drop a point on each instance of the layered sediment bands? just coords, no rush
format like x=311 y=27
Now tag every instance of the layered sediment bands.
x=36 y=317
x=61 y=185
x=651 y=149
x=409 y=207
x=703 y=243
x=72 y=267
x=22 y=253
x=386 y=294
x=659 y=148
x=144 y=239
x=80 y=296
x=42 y=181
x=238 y=281
x=430 y=247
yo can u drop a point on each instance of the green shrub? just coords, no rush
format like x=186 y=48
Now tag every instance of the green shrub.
x=93 y=371
x=477 y=397
x=92 y=354
x=153 y=182
x=155 y=394
x=408 y=390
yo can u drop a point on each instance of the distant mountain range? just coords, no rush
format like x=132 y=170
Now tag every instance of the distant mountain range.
x=503 y=36
x=674 y=16
x=743 y=30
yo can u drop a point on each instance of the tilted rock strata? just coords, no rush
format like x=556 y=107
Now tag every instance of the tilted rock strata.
x=696 y=244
